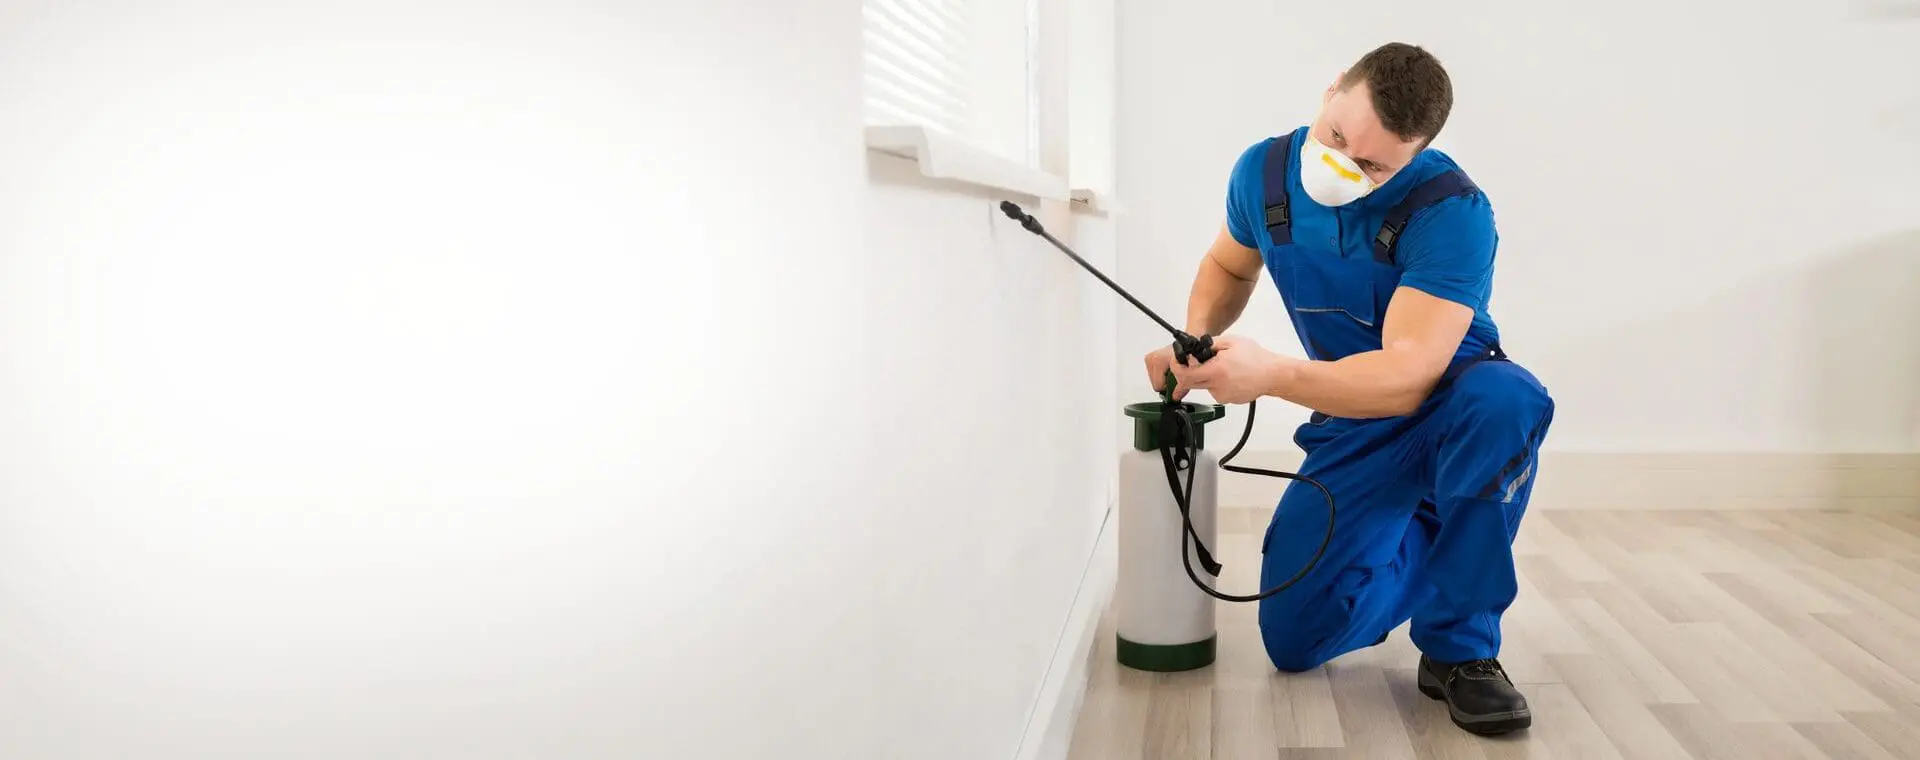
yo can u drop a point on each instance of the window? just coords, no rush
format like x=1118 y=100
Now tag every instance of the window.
x=1091 y=96
x=1014 y=95
x=962 y=68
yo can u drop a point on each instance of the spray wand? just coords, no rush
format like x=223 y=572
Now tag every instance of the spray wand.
x=1184 y=345
x=1175 y=450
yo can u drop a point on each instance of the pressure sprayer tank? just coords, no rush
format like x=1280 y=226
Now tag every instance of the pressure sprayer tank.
x=1162 y=621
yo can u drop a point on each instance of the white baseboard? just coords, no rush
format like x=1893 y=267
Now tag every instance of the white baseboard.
x=1667 y=481
x=1049 y=730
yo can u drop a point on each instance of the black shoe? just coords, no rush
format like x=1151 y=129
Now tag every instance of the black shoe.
x=1478 y=694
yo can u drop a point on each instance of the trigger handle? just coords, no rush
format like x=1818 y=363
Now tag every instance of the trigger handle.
x=1185 y=345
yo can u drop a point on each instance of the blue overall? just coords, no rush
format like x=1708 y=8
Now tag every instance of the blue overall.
x=1428 y=503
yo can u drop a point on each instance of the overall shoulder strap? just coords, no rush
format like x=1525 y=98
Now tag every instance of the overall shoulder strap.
x=1438 y=188
x=1279 y=168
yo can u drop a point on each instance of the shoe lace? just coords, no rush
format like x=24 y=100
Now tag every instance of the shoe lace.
x=1483 y=670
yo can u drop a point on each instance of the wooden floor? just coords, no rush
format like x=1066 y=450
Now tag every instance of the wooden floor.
x=1637 y=635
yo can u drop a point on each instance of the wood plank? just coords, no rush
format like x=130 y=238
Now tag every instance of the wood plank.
x=1612 y=705
x=1367 y=712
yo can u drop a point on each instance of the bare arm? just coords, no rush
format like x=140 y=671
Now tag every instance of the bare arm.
x=1419 y=339
x=1221 y=288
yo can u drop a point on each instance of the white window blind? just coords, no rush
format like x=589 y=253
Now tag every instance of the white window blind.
x=959 y=67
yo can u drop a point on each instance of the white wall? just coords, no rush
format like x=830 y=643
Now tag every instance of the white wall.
x=435 y=380
x=992 y=352
x=1710 y=232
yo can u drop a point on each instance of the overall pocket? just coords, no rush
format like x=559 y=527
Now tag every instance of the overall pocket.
x=1339 y=287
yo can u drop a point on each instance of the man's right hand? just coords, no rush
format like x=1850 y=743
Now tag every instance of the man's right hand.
x=1159 y=362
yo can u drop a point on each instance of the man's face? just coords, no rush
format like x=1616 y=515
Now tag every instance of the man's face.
x=1348 y=125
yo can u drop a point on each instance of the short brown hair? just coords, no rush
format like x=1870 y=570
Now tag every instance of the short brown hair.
x=1411 y=91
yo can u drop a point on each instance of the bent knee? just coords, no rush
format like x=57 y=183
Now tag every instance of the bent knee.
x=1499 y=389
x=1295 y=660
x=1294 y=648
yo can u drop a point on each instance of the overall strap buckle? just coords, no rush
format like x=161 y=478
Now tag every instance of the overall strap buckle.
x=1436 y=189
x=1279 y=167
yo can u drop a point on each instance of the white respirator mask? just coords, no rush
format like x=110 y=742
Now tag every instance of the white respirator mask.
x=1329 y=177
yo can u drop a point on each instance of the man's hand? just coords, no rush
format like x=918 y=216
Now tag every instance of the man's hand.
x=1240 y=371
x=1157 y=363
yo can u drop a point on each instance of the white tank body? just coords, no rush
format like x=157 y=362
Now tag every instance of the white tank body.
x=1163 y=621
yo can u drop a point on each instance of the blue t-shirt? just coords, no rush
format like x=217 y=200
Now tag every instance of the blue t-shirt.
x=1336 y=291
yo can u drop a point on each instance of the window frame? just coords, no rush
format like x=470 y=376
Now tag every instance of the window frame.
x=1055 y=112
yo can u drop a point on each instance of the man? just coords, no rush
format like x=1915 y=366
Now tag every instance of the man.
x=1425 y=433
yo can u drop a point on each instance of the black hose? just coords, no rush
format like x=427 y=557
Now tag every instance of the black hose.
x=1173 y=451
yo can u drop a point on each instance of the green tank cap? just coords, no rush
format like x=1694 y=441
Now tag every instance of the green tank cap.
x=1146 y=421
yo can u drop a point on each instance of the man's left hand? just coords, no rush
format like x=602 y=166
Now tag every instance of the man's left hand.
x=1240 y=371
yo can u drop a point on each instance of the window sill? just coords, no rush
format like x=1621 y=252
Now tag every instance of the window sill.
x=942 y=157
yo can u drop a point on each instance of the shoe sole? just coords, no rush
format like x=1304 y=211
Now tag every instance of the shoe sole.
x=1493 y=724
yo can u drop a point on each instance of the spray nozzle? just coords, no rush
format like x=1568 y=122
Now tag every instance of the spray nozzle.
x=1013 y=211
